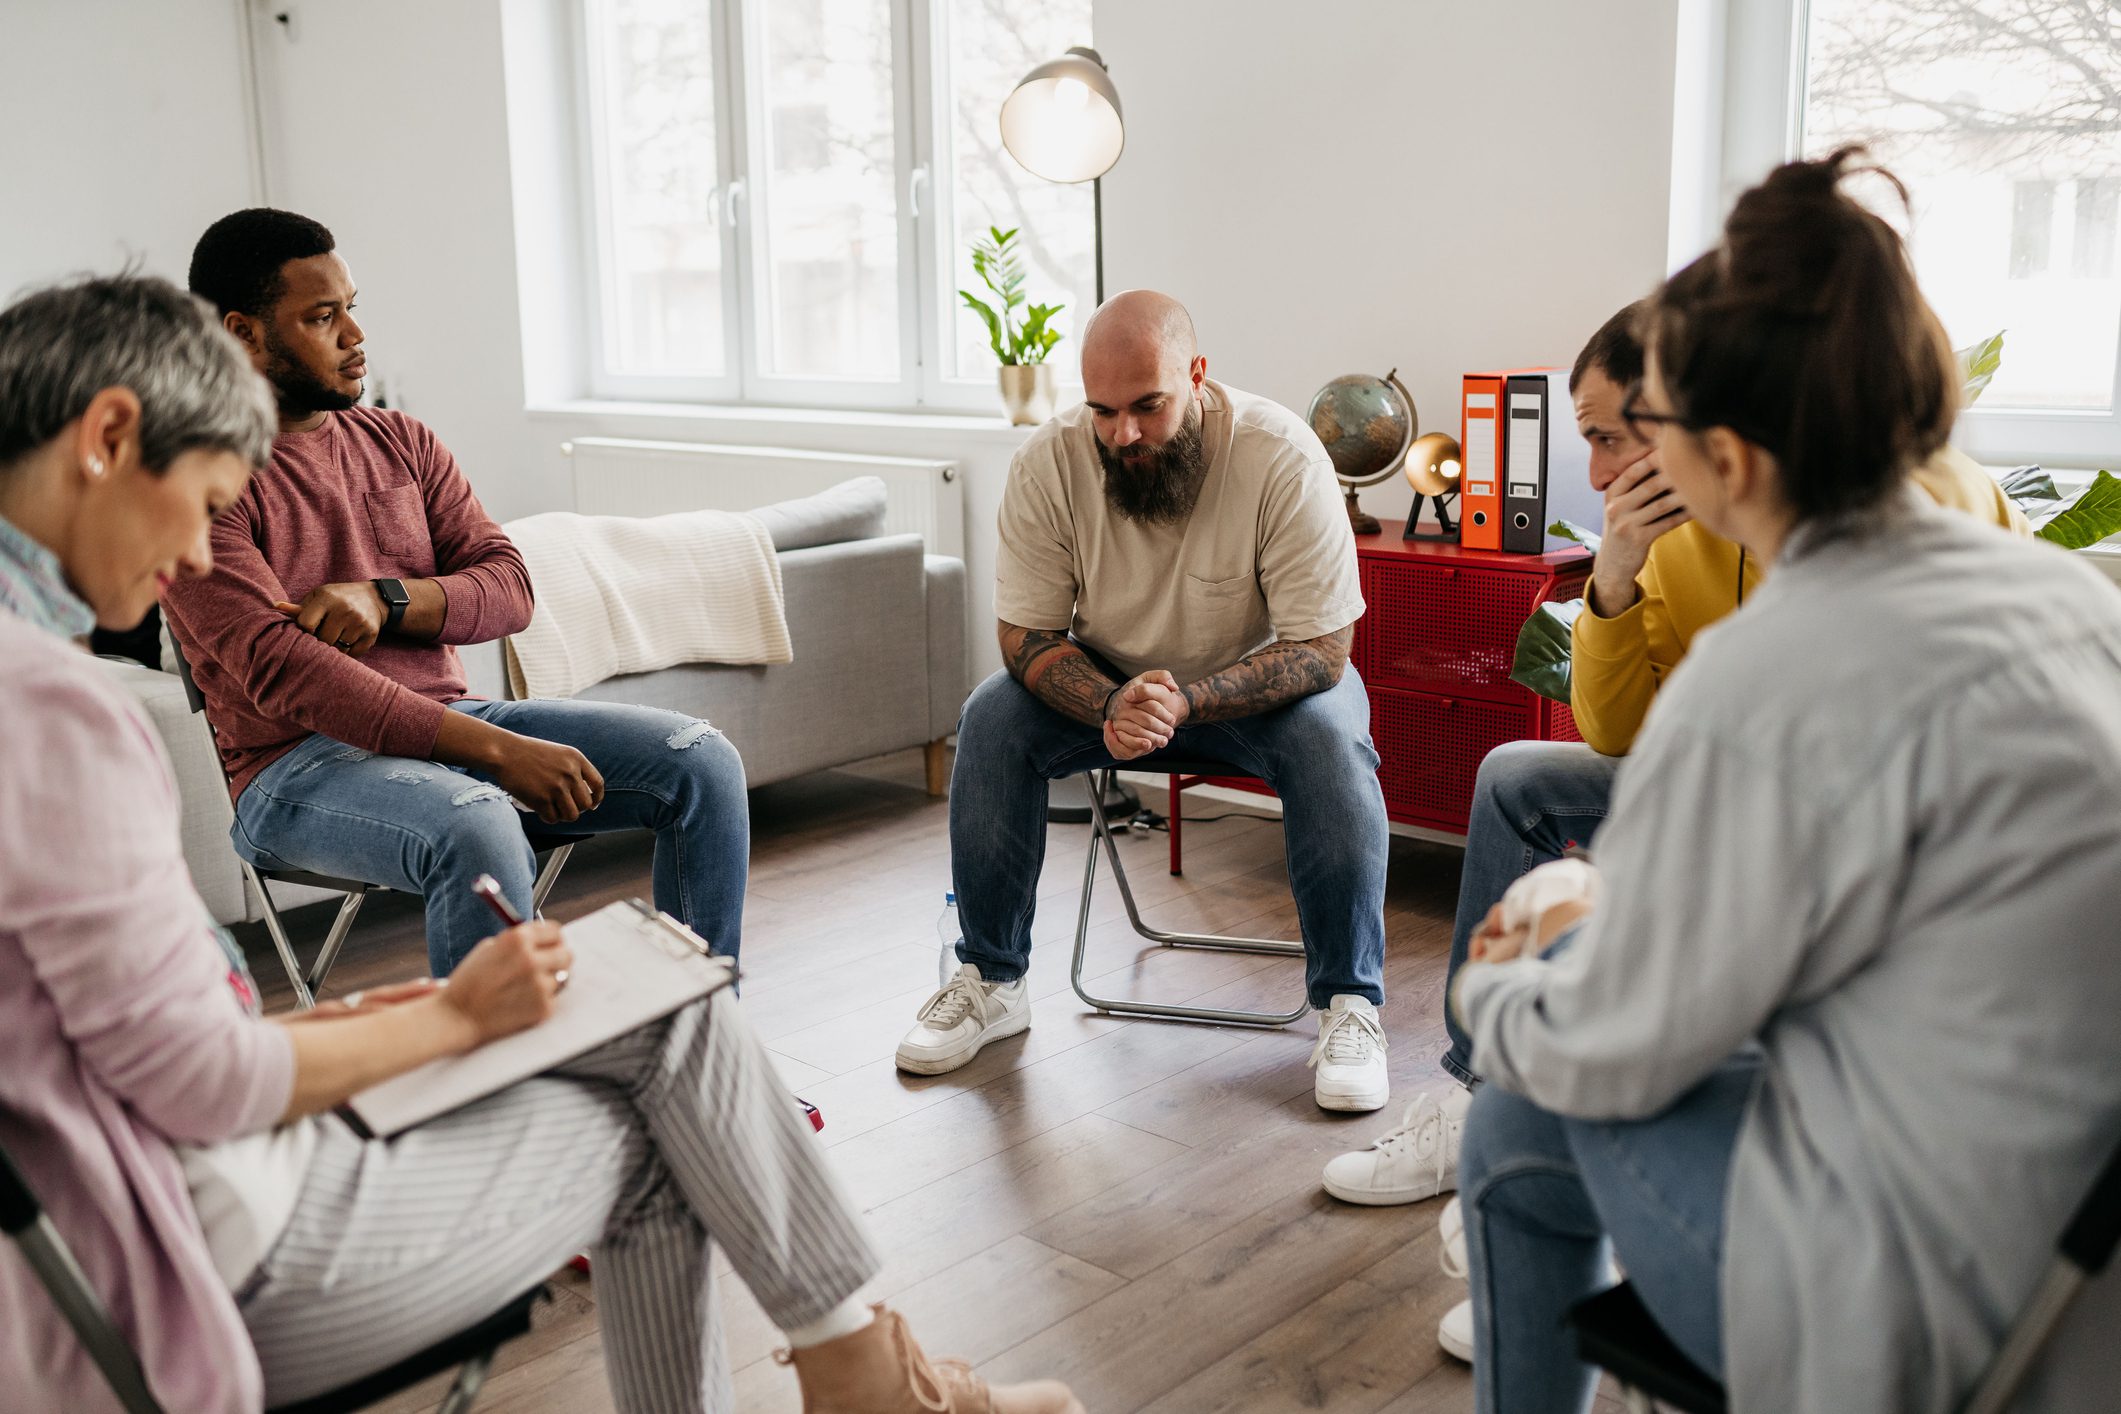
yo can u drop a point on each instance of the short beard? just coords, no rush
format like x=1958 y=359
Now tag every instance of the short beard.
x=300 y=392
x=1163 y=488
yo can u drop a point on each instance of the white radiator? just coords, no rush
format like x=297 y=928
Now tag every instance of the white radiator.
x=619 y=476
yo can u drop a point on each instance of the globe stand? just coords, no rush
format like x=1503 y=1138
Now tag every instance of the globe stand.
x=1363 y=522
x=1445 y=530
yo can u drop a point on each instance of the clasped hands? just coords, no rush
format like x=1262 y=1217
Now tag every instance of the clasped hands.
x=1538 y=908
x=1142 y=714
x=348 y=617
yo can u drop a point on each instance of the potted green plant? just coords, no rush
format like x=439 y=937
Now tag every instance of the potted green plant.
x=1020 y=341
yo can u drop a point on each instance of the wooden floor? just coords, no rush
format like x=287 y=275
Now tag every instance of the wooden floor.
x=1133 y=1206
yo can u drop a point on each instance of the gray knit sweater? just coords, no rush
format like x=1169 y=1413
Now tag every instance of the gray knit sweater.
x=1873 y=823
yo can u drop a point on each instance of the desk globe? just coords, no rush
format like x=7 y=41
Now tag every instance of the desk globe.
x=1367 y=424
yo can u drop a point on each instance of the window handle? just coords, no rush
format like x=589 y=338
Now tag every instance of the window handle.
x=735 y=195
x=915 y=180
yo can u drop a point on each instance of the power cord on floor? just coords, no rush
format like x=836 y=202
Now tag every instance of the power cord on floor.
x=1147 y=821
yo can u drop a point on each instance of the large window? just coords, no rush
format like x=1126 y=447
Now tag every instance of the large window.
x=786 y=192
x=2003 y=117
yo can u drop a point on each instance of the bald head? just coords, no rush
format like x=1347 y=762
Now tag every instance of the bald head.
x=1137 y=324
x=1142 y=375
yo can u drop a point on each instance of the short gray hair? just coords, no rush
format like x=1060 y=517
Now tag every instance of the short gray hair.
x=61 y=346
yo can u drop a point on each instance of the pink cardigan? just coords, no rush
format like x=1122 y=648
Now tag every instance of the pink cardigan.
x=119 y=1033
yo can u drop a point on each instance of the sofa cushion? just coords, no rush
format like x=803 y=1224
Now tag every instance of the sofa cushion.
x=852 y=510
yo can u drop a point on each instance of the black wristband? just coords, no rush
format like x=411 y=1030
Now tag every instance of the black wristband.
x=395 y=601
x=1104 y=709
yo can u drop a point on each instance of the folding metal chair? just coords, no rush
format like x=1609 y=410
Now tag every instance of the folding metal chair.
x=552 y=851
x=1101 y=837
x=1616 y=1332
x=23 y=1219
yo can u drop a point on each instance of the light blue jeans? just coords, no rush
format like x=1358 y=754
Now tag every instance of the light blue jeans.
x=1315 y=753
x=1531 y=801
x=430 y=830
x=1543 y=1196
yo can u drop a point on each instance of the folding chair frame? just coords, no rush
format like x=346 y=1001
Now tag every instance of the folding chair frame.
x=1101 y=837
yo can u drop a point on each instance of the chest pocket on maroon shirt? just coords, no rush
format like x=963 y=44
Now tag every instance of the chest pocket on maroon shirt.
x=398 y=520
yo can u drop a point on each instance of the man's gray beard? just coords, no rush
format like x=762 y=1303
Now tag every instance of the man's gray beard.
x=1163 y=489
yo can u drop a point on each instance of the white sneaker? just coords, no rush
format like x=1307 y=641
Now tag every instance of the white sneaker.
x=1417 y=1160
x=1451 y=1227
x=961 y=1018
x=1350 y=1057
x=1455 y=1331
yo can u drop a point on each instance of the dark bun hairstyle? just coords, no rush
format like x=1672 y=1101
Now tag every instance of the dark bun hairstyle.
x=1803 y=332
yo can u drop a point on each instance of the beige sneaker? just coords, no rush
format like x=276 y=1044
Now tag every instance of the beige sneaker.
x=881 y=1370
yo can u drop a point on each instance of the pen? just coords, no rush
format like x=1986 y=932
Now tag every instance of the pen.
x=488 y=889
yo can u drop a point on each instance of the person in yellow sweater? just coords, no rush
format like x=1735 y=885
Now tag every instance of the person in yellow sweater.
x=1659 y=579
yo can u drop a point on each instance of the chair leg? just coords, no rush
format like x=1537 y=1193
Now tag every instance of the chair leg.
x=1101 y=836
x=1175 y=805
x=471 y=1377
x=936 y=757
x=304 y=998
x=547 y=877
x=341 y=925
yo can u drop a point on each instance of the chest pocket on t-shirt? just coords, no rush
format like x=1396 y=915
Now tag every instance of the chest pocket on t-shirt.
x=398 y=520
x=1223 y=617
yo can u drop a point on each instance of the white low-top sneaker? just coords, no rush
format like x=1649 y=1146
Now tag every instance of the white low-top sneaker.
x=962 y=1017
x=1455 y=1331
x=1451 y=1227
x=1417 y=1160
x=1350 y=1057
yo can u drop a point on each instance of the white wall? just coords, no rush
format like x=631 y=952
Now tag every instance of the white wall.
x=122 y=134
x=1345 y=188
x=1331 y=189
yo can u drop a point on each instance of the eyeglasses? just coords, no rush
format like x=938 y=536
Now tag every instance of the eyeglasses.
x=1640 y=420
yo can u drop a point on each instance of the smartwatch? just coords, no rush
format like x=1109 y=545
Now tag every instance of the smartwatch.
x=395 y=602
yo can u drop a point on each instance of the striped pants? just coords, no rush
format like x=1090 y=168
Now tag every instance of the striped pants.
x=646 y=1152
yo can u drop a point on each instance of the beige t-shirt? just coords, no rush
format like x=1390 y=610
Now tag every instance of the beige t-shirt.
x=1267 y=553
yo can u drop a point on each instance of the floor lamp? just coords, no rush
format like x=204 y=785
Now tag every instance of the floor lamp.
x=1062 y=122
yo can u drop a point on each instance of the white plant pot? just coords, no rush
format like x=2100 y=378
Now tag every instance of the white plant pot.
x=1027 y=392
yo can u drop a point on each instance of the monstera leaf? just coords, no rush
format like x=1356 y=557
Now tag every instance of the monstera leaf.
x=1978 y=364
x=1542 y=661
x=2096 y=515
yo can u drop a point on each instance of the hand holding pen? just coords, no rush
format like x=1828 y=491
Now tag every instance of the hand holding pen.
x=488 y=889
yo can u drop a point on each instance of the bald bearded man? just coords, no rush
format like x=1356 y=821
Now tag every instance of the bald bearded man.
x=1176 y=578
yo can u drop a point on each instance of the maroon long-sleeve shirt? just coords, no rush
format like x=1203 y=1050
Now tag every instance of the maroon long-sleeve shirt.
x=369 y=494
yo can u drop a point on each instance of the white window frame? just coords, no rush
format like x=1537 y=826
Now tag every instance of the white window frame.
x=1762 y=122
x=926 y=223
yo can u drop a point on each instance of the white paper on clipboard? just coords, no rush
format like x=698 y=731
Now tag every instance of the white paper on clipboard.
x=631 y=966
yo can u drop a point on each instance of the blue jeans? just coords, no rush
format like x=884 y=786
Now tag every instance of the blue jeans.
x=1315 y=753
x=1531 y=801
x=430 y=830
x=1542 y=1196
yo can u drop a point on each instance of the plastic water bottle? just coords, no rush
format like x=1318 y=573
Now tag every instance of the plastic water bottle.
x=946 y=963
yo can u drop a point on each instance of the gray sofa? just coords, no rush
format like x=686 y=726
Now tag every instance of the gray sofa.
x=878 y=628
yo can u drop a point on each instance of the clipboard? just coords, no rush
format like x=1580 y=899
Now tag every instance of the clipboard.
x=632 y=965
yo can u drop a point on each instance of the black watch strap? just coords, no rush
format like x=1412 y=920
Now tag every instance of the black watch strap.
x=395 y=602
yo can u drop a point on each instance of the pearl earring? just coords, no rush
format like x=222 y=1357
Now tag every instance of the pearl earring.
x=95 y=466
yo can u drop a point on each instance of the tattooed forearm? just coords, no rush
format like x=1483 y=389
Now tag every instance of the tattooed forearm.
x=1056 y=672
x=1273 y=677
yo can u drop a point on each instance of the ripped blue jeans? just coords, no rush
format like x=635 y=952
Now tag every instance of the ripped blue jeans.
x=431 y=830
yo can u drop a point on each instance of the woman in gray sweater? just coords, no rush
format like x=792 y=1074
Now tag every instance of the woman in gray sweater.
x=1836 y=1052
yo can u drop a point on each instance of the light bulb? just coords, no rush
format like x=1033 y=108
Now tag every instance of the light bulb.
x=1071 y=93
x=1449 y=469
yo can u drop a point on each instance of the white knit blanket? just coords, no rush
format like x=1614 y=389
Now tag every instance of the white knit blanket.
x=619 y=594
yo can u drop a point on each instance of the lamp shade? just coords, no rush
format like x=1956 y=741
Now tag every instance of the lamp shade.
x=1433 y=465
x=1062 y=120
